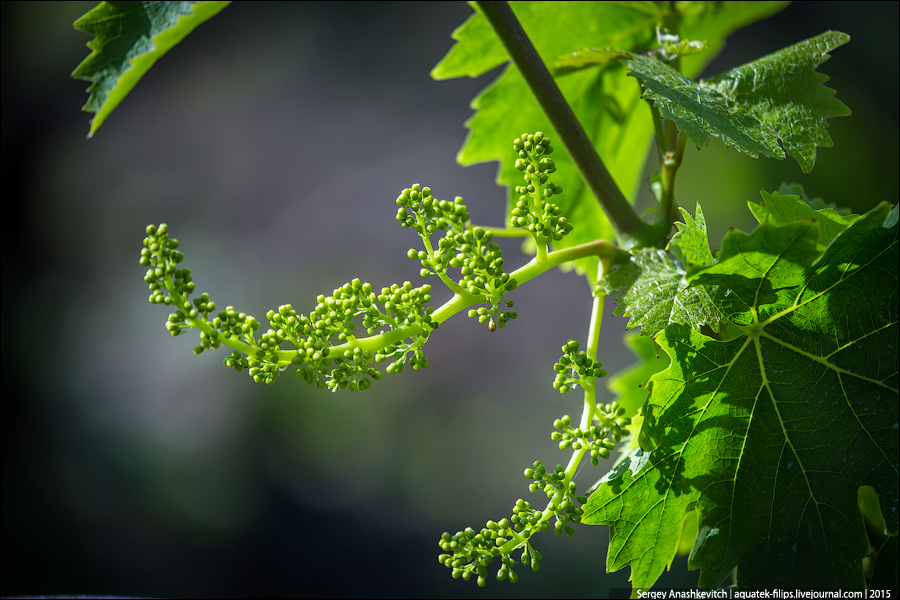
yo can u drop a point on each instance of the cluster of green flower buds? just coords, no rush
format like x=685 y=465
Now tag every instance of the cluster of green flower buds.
x=423 y=212
x=263 y=365
x=553 y=483
x=609 y=426
x=404 y=307
x=312 y=337
x=480 y=264
x=311 y=350
x=471 y=250
x=172 y=286
x=576 y=368
x=161 y=255
x=333 y=317
x=532 y=212
x=471 y=552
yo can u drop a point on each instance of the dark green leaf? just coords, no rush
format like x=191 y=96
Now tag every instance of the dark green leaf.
x=784 y=91
x=130 y=37
x=773 y=105
x=700 y=112
x=885 y=571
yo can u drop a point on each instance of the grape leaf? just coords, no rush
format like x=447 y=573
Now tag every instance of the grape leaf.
x=795 y=189
x=885 y=571
x=604 y=100
x=774 y=104
x=687 y=47
x=130 y=37
x=690 y=244
x=654 y=292
x=769 y=435
x=782 y=209
x=631 y=384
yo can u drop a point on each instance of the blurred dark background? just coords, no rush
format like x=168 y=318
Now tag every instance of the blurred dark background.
x=274 y=140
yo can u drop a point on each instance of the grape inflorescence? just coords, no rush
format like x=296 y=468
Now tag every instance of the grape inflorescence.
x=324 y=347
x=576 y=368
x=398 y=321
x=470 y=250
x=532 y=212
x=313 y=336
x=469 y=553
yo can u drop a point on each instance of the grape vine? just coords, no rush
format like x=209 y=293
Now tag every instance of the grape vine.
x=770 y=358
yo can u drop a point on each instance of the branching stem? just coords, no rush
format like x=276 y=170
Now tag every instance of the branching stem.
x=202 y=324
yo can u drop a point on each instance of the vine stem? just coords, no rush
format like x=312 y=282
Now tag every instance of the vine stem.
x=593 y=345
x=630 y=229
x=670 y=162
x=459 y=302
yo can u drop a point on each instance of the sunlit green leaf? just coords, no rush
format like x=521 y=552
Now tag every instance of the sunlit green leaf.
x=688 y=47
x=586 y=58
x=630 y=385
x=654 y=292
x=690 y=244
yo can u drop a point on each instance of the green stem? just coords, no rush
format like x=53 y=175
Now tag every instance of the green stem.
x=536 y=209
x=600 y=248
x=505 y=232
x=671 y=162
x=587 y=415
x=426 y=241
x=460 y=301
x=541 y=250
x=630 y=229
x=662 y=145
x=593 y=341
